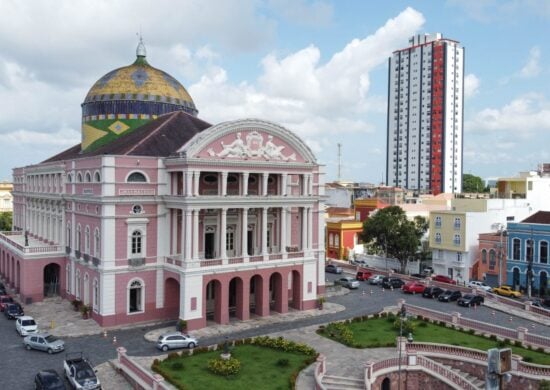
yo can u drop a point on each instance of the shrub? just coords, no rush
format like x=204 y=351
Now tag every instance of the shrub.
x=340 y=332
x=283 y=363
x=408 y=325
x=177 y=366
x=540 y=349
x=471 y=331
x=493 y=337
x=172 y=355
x=527 y=359
x=422 y=324
x=224 y=367
x=501 y=343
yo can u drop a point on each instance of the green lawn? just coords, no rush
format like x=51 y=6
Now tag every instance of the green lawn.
x=379 y=332
x=259 y=369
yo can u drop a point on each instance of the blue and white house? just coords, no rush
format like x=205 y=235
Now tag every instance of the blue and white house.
x=528 y=242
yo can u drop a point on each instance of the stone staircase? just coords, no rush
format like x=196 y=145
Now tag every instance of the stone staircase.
x=480 y=384
x=333 y=382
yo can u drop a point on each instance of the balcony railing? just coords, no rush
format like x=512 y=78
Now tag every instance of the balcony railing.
x=96 y=262
x=77 y=254
x=12 y=238
x=136 y=261
x=86 y=257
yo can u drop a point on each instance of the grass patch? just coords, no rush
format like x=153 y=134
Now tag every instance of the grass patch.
x=273 y=368
x=376 y=333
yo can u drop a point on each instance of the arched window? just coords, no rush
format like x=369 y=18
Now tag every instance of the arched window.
x=457 y=223
x=438 y=238
x=87 y=240
x=68 y=278
x=97 y=177
x=79 y=177
x=136 y=290
x=97 y=243
x=516 y=249
x=137 y=177
x=492 y=259
x=336 y=240
x=88 y=177
x=77 y=292
x=456 y=239
x=95 y=296
x=68 y=240
x=484 y=256
x=543 y=251
x=529 y=250
x=69 y=178
x=86 y=294
x=78 y=238
x=136 y=242
x=437 y=222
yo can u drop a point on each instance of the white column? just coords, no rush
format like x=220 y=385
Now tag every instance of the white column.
x=304 y=228
x=265 y=176
x=223 y=237
x=284 y=184
x=264 y=231
x=187 y=179
x=245 y=184
x=188 y=234
x=196 y=234
x=310 y=184
x=244 y=234
x=309 y=228
x=224 y=184
x=196 y=178
x=282 y=222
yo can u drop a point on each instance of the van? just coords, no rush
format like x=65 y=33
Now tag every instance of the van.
x=363 y=275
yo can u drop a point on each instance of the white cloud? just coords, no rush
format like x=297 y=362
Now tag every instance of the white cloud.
x=525 y=115
x=471 y=85
x=532 y=67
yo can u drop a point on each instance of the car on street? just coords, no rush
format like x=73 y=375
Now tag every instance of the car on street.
x=176 y=340
x=361 y=263
x=506 y=291
x=543 y=303
x=413 y=288
x=363 y=275
x=4 y=301
x=479 y=285
x=48 y=380
x=443 y=279
x=13 y=310
x=449 y=295
x=432 y=292
x=427 y=271
x=389 y=282
x=376 y=279
x=470 y=300
x=333 y=269
x=80 y=372
x=25 y=325
x=44 y=342
x=347 y=282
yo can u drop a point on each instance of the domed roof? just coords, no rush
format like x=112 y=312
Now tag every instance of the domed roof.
x=140 y=82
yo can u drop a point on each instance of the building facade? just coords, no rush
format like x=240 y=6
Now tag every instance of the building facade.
x=425 y=115
x=170 y=217
x=6 y=198
x=490 y=264
x=528 y=243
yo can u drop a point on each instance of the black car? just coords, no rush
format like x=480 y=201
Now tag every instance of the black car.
x=13 y=310
x=470 y=300
x=392 y=282
x=48 y=380
x=448 y=296
x=543 y=303
x=432 y=292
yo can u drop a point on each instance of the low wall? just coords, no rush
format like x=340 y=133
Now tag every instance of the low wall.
x=136 y=375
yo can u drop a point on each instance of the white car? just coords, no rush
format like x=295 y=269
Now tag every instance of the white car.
x=479 y=285
x=347 y=282
x=25 y=326
x=376 y=279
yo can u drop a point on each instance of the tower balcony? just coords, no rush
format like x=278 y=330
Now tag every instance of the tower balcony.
x=29 y=245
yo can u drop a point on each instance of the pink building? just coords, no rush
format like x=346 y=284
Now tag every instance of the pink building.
x=159 y=215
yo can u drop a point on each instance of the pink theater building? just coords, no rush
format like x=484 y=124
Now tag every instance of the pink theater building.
x=159 y=215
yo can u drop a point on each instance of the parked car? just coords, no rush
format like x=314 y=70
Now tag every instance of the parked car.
x=13 y=310
x=479 y=285
x=48 y=380
x=333 y=269
x=427 y=271
x=80 y=372
x=348 y=282
x=388 y=282
x=448 y=296
x=362 y=263
x=443 y=279
x=363 y=275
x=25 y=325
x=44 y=342
x=506 y=291
x=4 y=301
x=432 y=292
x=413 y=288
x=376 y=279
x=470 y=300
x=544 y=303
x=176 y=340
x=420 y=276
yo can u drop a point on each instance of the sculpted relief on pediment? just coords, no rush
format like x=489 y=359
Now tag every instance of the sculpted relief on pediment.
x=253 y=146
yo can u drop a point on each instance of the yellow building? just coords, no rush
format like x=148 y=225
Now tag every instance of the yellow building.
x=6 y=198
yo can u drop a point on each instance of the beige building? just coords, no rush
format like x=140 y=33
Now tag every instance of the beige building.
x=6 y=198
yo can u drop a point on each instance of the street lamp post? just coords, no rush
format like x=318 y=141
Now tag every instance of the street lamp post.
x=402 y=315
x=501 y=231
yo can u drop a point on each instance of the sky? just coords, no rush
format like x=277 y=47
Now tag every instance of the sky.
x=317 y=67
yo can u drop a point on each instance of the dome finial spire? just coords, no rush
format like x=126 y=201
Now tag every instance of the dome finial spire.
x=140 y=51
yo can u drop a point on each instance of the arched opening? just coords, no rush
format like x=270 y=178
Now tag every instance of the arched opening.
x=86 y=292
x=213 y=300
x=235 y=298
x=386 y=385
x=256 y=302
x=278 y=293
x=136 y=295
x=543 y=283
x=51 y=279
x=515 y=278
x=172 y=298
x=295 y=293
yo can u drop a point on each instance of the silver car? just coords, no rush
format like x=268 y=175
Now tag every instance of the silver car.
x=44 y=342
x=376 y=279
x=176 y=340
x=348 y=282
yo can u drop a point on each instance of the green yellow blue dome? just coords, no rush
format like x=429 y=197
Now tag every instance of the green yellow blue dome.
x=129 y=97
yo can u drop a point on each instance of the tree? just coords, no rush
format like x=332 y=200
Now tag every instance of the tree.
x=471 y=183
x=5 y=221
x=389 y=231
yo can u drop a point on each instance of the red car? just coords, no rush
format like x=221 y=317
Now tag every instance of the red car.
x=444 y=279
x=363 y=275
x=413 y=288
x=5 y=300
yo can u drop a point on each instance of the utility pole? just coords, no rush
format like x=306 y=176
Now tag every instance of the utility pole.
x=530 y=254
